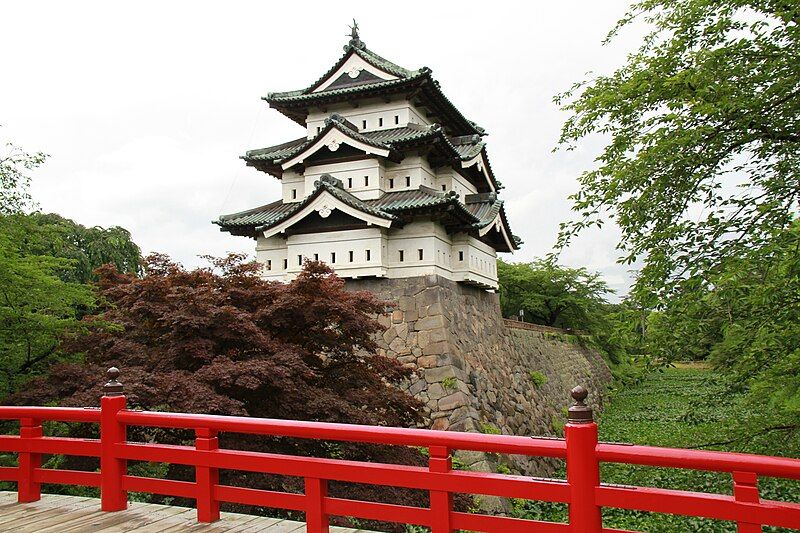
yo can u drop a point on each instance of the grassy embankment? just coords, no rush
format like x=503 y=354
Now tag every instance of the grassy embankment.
x=683 y=407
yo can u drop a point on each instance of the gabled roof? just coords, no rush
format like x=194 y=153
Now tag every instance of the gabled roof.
x=275 y=159
x=396 y=80
x=475 y=216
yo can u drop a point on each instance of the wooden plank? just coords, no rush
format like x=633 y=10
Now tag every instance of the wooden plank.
x=27 y=512
x=136 y=516
x=72 y=514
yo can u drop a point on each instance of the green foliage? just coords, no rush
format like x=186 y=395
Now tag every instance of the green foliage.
x=703 y=160
x=688 y=406
x=702 y=175
x=14 y=180
x=550 y=294
x=85 y=248
x=490 y=429
x=537 y=378
x=449 y=383
x=37 y=308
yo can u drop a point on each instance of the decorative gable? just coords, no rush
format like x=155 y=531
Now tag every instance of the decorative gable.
x=353 y=71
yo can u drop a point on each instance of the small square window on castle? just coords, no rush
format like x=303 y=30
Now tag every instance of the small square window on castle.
x=366 y=181
x=401 y=256
x=363 y=124
x=391 y=183
x=333 y=257
x=408 y=181
x=444 y=187
x=349 y=183
x=285 y=264
x=350 y=256
x=300 y=260
x=316 y=257
x=269 y=264
x=380 y=122
x=368 y=254
x=397 y=119
x=460 y=256
x=421 y=254
x=294 y=194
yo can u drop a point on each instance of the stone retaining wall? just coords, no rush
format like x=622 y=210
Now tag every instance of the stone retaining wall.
x=473 y=373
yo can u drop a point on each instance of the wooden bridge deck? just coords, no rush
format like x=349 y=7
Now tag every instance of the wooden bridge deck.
x=62 y=514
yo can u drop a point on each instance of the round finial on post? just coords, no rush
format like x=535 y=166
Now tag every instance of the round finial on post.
x=112 y=387
x=580 y=413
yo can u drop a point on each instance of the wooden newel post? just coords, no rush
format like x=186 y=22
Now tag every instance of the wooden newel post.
x=207 y=478
x=583 y=469
x=440 y=460
x=112 y=432
x=29 y=490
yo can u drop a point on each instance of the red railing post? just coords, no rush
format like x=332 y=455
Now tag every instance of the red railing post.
x=441 y=502
x=112 y=432
x=29 y=490
x=745 y=489
x=206 y=478
x=583 y=469
x=316 y=518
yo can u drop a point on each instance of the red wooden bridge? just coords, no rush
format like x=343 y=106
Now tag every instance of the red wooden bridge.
x=583 y=489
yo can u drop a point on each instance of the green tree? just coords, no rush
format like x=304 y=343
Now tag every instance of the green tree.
x=14 y=180
x=37 y=309
x=550 y=294
x=703 y=161
x=87 y=248
x=702 y=174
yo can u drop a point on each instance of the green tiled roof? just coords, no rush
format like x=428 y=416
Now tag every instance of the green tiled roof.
x=391 y=139
x=406 y=80
x=367 y=55
x=479 y=211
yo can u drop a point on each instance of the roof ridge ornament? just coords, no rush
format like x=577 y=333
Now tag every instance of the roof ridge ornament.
x=355 y=39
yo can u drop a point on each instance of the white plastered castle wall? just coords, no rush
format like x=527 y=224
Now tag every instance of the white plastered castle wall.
x=373 y=116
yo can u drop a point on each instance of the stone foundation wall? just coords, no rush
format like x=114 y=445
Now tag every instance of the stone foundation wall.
x=473 y=373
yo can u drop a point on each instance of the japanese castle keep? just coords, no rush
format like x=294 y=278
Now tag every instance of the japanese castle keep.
x=391 y=186
x=389 y=181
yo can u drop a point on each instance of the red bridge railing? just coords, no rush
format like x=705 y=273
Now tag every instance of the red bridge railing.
x=583 y=490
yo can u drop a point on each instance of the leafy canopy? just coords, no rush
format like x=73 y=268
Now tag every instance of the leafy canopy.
x=550 y=294
x=703 y=158
x=702 y=174
x=221 y=340
x=14 y=180
x=37 y=308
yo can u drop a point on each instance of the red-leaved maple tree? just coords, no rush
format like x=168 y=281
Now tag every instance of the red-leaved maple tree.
x=221 y=340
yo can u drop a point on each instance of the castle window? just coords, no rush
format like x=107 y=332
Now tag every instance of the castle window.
x=333 y=257
x=391 y=183
x=316 y=257
x=368 y=254
x=420 y=252
x=460 y=256
x=397 y=119
x=350 y=255
x=408 y=181
x=380 y=122
x=300 y=260
x=294 y=194
x=366 y=181
x=269 y=264
x=401 y=256
x=444 y=187
x=363 y=124
x=285 y=264
x=349 y=183
x=319 y=129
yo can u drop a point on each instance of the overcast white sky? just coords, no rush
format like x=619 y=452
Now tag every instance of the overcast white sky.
x=145 y=107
